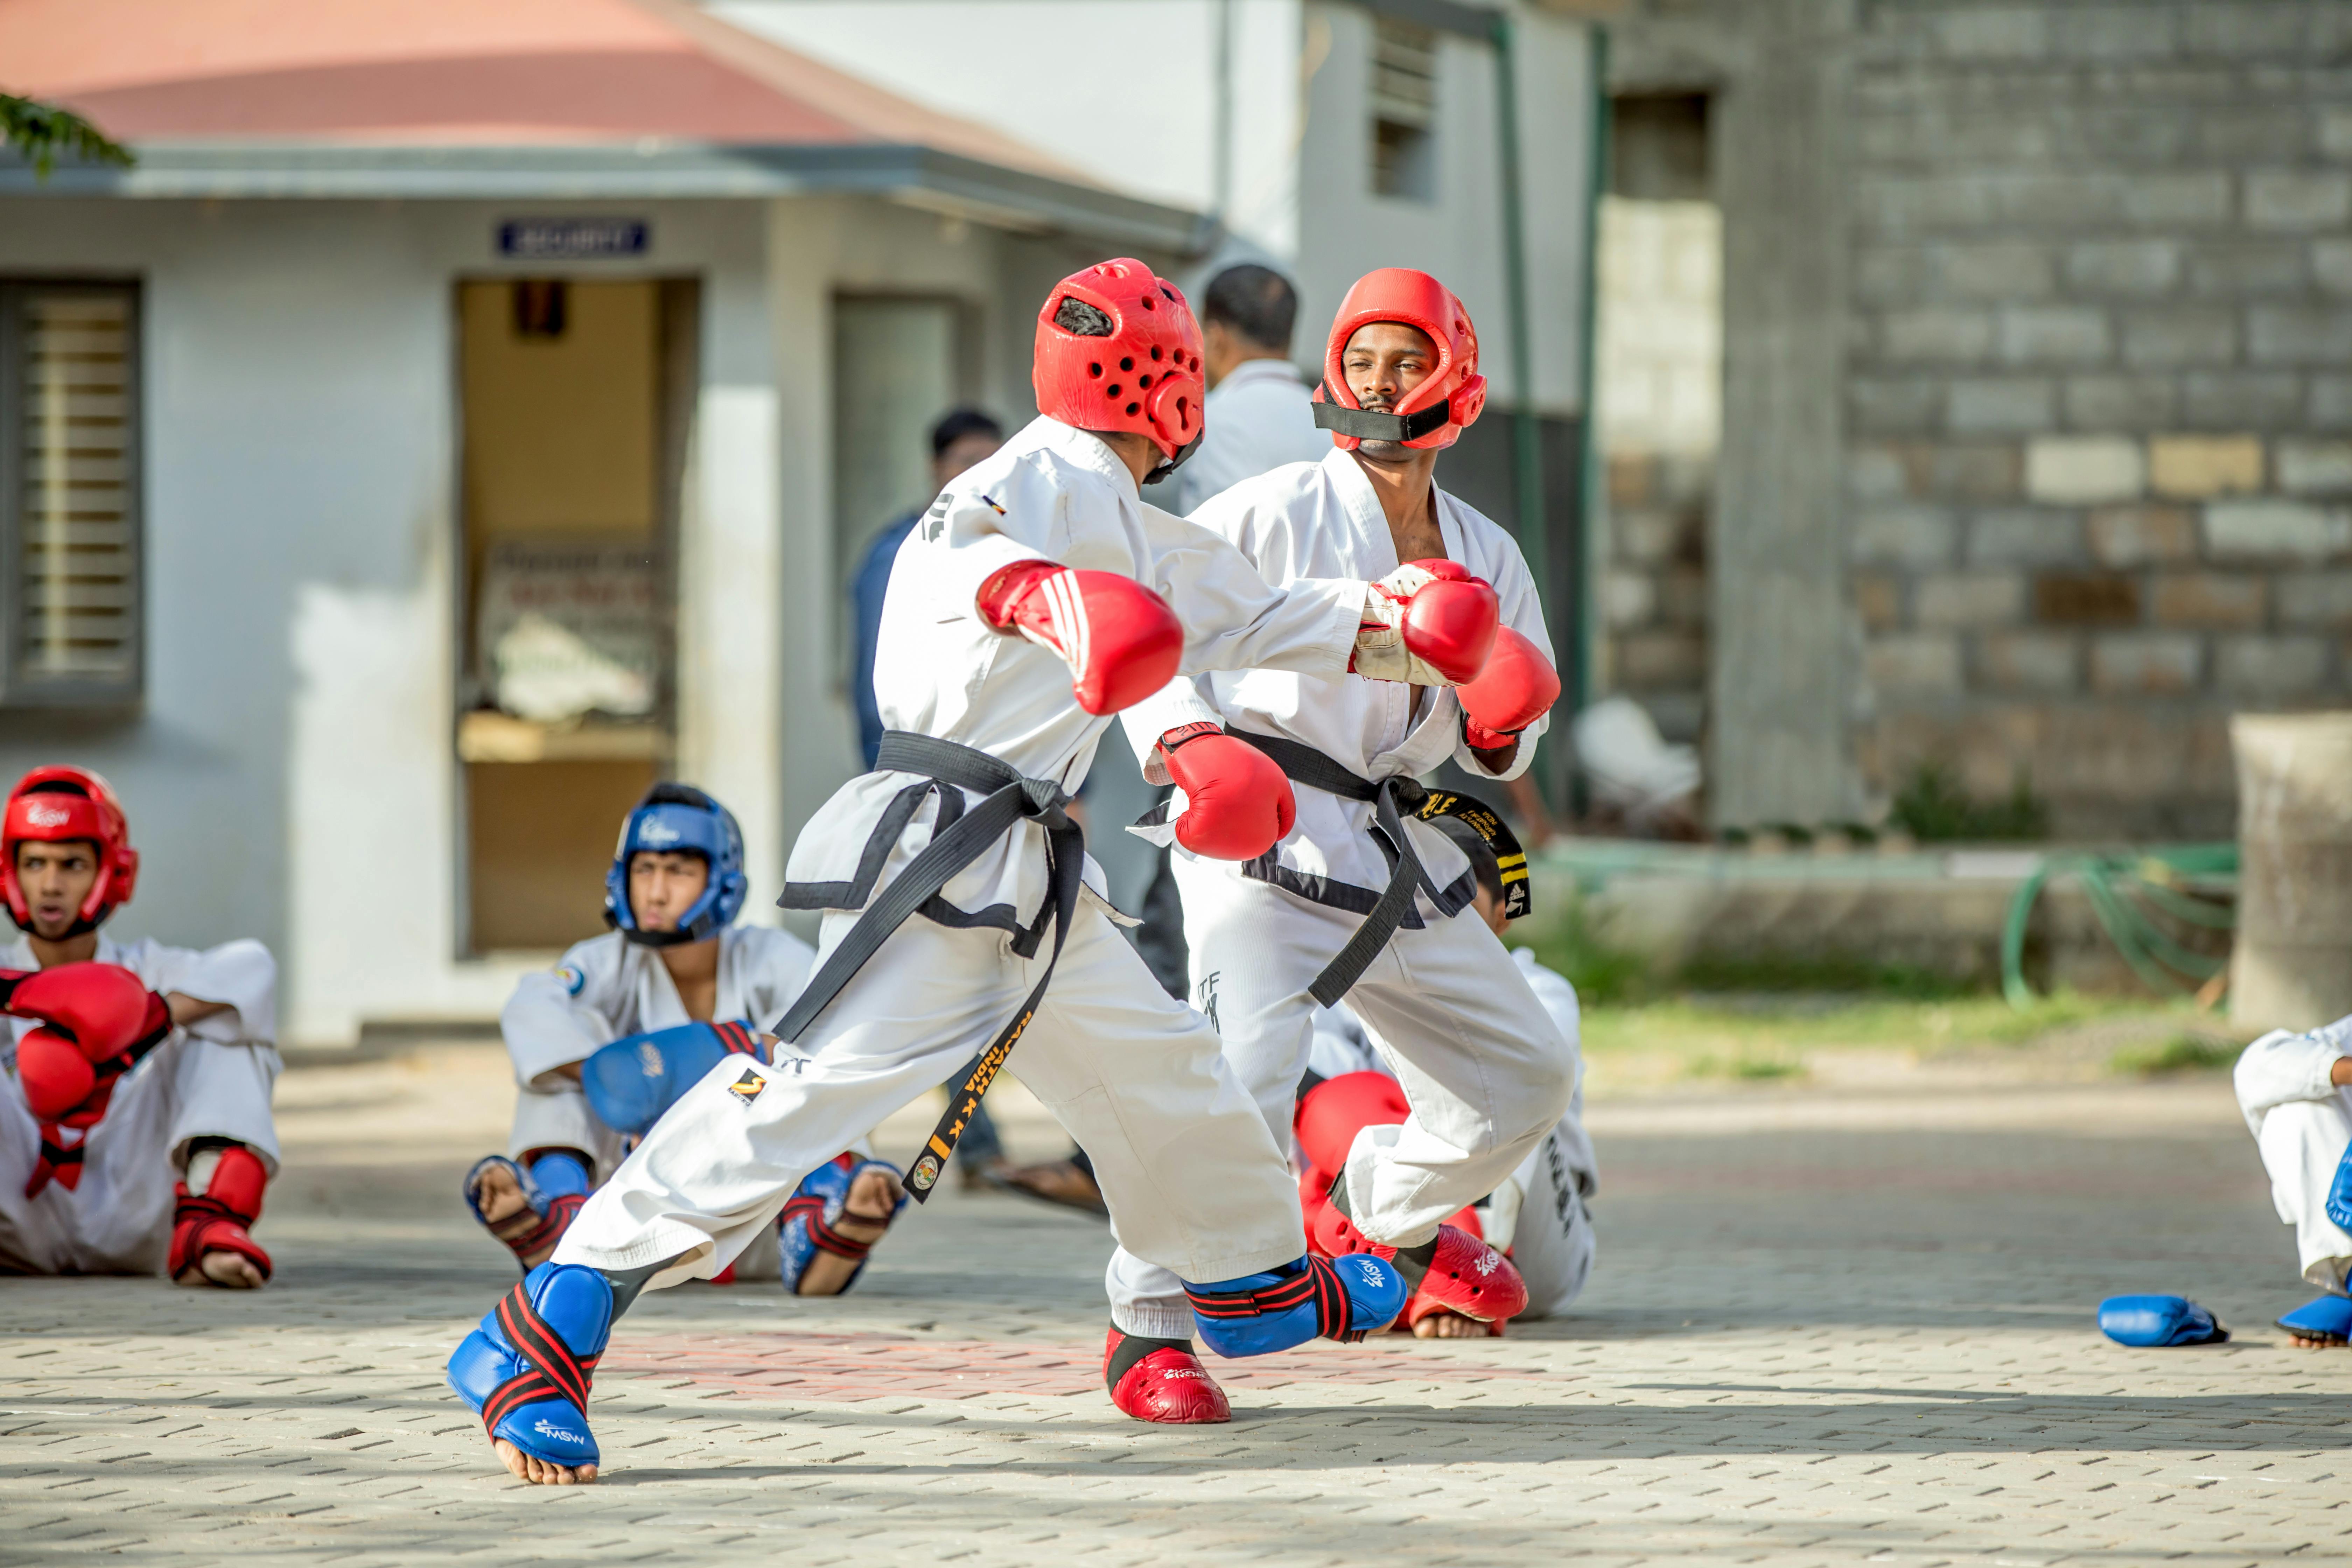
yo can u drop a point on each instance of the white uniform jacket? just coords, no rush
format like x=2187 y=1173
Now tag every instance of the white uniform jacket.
x=1259 y=418
x=1057 y=494
x=609 y=986
x=239 y=974
x=1323 y=520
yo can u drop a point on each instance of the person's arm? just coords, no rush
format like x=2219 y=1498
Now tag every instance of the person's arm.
x=186 y=1009
x=552 y=1024
x=2283 y=1066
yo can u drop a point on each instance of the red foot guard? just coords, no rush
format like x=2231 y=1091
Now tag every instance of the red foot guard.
x=215 y=1219
x=1167 y=1385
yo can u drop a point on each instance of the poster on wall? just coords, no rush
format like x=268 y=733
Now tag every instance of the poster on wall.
x=565 y=630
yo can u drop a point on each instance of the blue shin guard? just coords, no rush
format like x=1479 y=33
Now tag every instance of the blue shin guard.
x=2328 y=1317
x=806 y=1226
x=636 y=1078
x=2157 y=1322
x=526 y=1370
x=1342 y=1299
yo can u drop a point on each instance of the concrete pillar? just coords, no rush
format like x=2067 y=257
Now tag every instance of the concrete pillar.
x=2291 y=965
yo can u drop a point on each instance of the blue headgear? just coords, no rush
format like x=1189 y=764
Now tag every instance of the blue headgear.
x=678 y=818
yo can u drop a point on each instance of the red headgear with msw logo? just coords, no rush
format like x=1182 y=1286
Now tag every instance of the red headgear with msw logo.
x=54 y=805
x=1445 y=404
x=1118 y=349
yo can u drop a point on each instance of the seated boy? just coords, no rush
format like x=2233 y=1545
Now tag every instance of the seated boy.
x=136 y=1133
x=1537 y=1217
x=675 y=987
x=2295 y=1090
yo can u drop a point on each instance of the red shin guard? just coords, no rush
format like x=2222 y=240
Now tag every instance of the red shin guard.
x=1166 y=1384
x=215 y=1219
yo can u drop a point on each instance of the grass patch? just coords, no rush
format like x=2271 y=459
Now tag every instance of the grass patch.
x=1826 y=973
x=1748 y=1068
x=1736 y=1029
x=2182 y=1053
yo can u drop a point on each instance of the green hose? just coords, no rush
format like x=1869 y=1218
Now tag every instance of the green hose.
x=2122 y=890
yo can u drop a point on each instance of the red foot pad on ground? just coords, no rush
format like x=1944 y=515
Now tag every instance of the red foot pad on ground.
x=215 y=1219
x=1168 y=1385
x=1468 y=1277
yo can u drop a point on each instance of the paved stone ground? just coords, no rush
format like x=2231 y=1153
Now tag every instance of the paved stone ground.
x=1824 y=1329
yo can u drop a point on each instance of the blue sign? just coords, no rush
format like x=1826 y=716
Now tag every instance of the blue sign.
x=573 y=239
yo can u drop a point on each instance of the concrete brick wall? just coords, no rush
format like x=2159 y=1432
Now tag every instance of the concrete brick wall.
x=2098 y=394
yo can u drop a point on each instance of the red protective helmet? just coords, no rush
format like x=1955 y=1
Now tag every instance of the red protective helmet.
x=51 y=805
x=1118 y=349
x=1434 y=414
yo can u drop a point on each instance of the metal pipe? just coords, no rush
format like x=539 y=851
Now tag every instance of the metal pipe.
x=1590 y=488
x=1527 y=436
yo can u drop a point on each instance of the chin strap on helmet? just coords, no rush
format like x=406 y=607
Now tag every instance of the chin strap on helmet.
x=1371 y=425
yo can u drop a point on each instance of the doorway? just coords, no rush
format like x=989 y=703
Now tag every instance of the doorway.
x=574 y=399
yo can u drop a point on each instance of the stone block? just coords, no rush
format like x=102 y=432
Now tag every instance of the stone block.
x=2270 y=667
x=1935 y=336
x=2314 y=467
x=2139 y=269
x=1916 y=664
x=1682 y=596
x=2315 y=599
x=2072 y=469
x=2242 y=269
x=2146 y=663
x=2256 y=133
x=1957 y=599
x=2331 y=266
x=2183 y=335
x=1628 y=599
x=1648 y=659
x=2177 y=201
x=2112 y=33
x=2336 y=129
x=2244 y=32
x=1893 y=405
x=1965 y=470
x=2235 y=399
x=1914 y=536
x=2028 y=661
x=1633 y=478
x=2330 y=406
x=2054 y=334
x=1891 y=274
x=1645 y=536
x=1876 y=472
x=1993 y=33
x=2085 y=599
x=2275 y=530
x=2288 y=334
x=2000 y=272
x=2141 y=535
x=2001 y=406
x=2024 y=536
x=2122 y=402
x=1878 y=599
x=1910 y=203
x=2193 y=467
x=2298 y=201
x=2224 y=599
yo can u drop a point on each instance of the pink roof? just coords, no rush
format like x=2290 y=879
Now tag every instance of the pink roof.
x=462 y=72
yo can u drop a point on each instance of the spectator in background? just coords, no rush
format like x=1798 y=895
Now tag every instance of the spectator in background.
x=1259 y=415
x=957 y=441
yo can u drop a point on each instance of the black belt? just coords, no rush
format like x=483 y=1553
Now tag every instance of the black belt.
x=1011 y=798
x=1392 y=799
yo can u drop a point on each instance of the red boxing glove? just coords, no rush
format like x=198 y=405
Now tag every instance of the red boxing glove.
x=56 y=1076
x=1428 y=622
x=1237 y=803
x=102 y=1008
x=1121 y=639
x=1518 y=686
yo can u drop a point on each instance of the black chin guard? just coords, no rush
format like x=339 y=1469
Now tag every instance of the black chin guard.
x=1369 y=425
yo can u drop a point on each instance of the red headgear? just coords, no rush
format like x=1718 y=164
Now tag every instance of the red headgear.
x=51 y=805
x=1434 y=414
x=1118 y=349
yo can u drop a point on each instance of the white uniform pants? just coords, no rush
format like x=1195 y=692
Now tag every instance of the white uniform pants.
x=1486 y=1070
x=559 y=1118
x=118 y=1220
x=1193 y=1181
x=1552 y=1244
x=2302 y=1123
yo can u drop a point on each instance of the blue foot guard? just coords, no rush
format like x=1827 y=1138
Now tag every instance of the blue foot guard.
x=526 y=1370
x=1342 y=1299
x=2328 y=1317
x=806 y=1226
x=2158 y=1323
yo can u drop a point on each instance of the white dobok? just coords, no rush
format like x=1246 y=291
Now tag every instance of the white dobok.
x=2302 y=1123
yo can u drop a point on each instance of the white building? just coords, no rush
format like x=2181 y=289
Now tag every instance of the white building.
x=463 y=415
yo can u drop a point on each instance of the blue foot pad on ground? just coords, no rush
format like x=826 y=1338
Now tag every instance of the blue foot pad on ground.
x=2158 y=1321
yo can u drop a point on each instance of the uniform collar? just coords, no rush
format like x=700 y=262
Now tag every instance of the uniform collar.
x=18 y=954
x=1076 y=448
x=1364 y=506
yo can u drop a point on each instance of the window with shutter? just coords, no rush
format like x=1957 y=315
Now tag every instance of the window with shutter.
x=1404 y=110
x=69 y=523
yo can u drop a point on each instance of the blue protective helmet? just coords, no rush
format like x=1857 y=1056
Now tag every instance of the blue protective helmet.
x=676 y=817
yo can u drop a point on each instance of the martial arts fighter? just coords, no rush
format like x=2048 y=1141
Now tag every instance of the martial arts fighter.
x=604 y=1043
x=1038 y=596
x=1539 y=1217
x=2297 y=1092
x=138 y=1133
x=1362 y=896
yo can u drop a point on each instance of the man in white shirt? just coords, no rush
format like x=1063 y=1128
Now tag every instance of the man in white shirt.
x=1363 y=897
x=1260 y=416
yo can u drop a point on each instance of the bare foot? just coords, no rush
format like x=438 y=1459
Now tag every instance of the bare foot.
x=2307 y=1341
x=1449 y=1326
x=233 y=1269
x=864 y=1216
x=539 y=1472
x=507 y=1212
